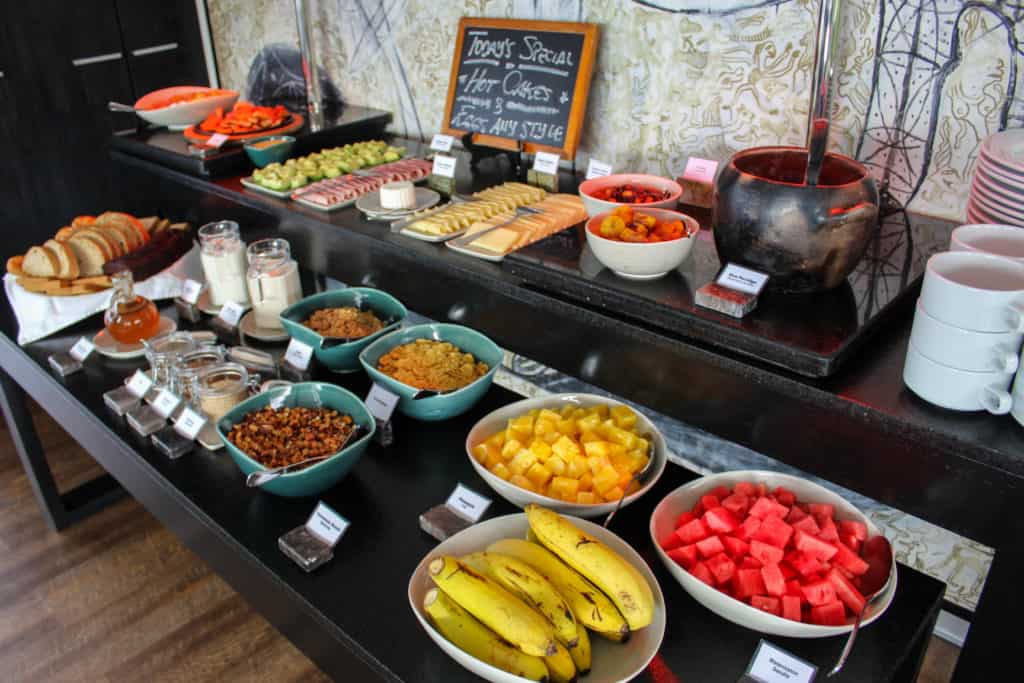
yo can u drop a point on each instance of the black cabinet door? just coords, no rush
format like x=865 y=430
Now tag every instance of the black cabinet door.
x=62 y=62
x=162 y=43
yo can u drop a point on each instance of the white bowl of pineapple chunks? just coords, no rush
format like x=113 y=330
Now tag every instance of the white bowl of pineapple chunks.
x=551 y=449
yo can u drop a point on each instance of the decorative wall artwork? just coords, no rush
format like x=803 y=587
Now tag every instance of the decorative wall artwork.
x=921 y=82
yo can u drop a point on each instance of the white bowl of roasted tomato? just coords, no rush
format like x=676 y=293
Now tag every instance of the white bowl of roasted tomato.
x=641 y=243
x=629 y=189
x=771 y=552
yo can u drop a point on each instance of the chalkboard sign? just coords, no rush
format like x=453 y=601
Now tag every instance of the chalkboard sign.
x=521 y=81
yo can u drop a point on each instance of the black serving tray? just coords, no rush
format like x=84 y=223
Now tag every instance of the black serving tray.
x=811 y=335
x=171 y=149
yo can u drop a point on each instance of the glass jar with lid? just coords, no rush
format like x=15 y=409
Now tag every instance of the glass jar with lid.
x=130 y=317
x=273 y=280
x=222 y=253
x=186 y=373
x=222 y=387
x=164 y=353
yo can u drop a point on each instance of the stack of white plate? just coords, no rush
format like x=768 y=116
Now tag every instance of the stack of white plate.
x=997 y=192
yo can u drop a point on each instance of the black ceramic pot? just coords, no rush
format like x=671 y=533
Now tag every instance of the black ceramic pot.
x=807 y=238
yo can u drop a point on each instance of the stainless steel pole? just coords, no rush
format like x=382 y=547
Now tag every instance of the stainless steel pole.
x=304 y=10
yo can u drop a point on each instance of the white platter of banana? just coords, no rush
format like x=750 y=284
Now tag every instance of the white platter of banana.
x=529 y=597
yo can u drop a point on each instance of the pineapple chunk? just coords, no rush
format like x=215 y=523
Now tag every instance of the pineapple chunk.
x=567 y=427
x=496 y=440
x=493 y=458
x=624 y=417
x=480 y=452
x=511 y=447
x=589 y=423
x=596 y=463
x=612 y=495
x=564 y=488
x=522 y=482
x=539 y=475
x=616 y=435
x=547 y=414
x=556 y=465
x=587 y=437
x=521 y=428
x=625 y=462
x=597 y=449
x=605 y=480
x=543 y=426
x=501 y=471
x=541 y=449
x=523 y=460
x=587 y=482
x=576 y=467
x=565 y=448
x=578 y=413
x=566 y=411
x=551 y=438
x=586 y=498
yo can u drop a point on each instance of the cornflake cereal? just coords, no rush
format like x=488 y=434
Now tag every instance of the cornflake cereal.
x=433 y=365
x=346 y=321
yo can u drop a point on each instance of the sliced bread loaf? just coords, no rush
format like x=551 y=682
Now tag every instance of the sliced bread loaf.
x=41 y=262
x=68 y=261
x=89 y=253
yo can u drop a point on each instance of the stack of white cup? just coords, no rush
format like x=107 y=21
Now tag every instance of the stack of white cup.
x=966 y=341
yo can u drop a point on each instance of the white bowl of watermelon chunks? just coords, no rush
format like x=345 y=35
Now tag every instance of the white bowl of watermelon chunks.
x=768 y=551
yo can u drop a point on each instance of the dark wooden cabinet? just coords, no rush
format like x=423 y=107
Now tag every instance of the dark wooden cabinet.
x=61 y=63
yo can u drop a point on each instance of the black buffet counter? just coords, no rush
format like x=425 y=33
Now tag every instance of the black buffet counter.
x=859 y=428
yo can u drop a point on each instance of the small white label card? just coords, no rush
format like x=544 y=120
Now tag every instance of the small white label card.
x=81 y=350
x=298 y=354
x=742 y=279
x=381 y=402
x=231 y=312
x=217 y=140
x=326 y=524
x=773 y=665
x=468 y=504
x=700 y=170
x=442 y=142
x=545 y=162
x=444 y=166
x=190 y=291
x=139 y=384
x=189 y=423
x=165 y=403
x=598 y=169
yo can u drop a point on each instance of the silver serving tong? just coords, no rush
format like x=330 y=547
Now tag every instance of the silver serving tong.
x=261 y=477
x=637 y=476
x=468 y=239
x=818 y=120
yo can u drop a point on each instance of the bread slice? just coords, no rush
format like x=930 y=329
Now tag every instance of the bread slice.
x=101 y=239
x=82 y=221
x=148 y=223
x=178 y=226
x=14 y=265
x=124 y=224
x=64 y=234
x=120 y=242
x=68 y=261
x=160 y=226
x=110 y=237
x=89 y=253
x=41 y=262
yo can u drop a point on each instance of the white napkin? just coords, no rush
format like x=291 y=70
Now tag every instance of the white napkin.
x=40 y=315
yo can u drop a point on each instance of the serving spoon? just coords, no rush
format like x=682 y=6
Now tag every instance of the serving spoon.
x=261 y=477
x=637 y=476
x=878 y=554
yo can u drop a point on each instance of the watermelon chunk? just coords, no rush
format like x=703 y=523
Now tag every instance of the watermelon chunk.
x=720 y=520
x=709 y=502
x=829 y=532
x=765 y=507
x=737 y=504
x=746 y=488
x=748 y=582
x=685 y=556
x=764 y=553
x=784 y=496
x=830 y=614
x=773 y=531
x=852 y=526
x=845 y=558
x=684 y=518
x=720 y=492
x=794 y=589
x=804 y=564
x=791 y=608
x=846 y=591
x=710 y=546
x=735 y=547
x=701 y=571
x=692 y=531
x=821 y=510
x=795 y=515
x=670 y=542
x=750 y=562
x=815 y=547
x=762 y=489
x=748 y=528
x=819 y=592
x=774 y=582
x=721 y=567
x=787 y=571
x=807 y=525
x=850 y=541
x=766 y=604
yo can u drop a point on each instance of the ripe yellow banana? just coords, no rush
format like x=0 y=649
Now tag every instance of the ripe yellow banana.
x=528 y=585
x=498 y=609
x=614 y=637
x=561 y=666
x=468 y=634
x=592 y=608
x=581 y=653
x=596 y=561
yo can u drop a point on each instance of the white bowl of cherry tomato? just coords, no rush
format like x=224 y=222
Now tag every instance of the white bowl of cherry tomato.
x=641 y=243
x=629 y=189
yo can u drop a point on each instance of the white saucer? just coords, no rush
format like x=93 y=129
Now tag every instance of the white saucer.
x=111 y=348
x=247 y=326
x=370 y=204
x=204 y=305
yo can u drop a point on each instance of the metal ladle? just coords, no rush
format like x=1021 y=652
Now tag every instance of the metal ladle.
x=819 y=116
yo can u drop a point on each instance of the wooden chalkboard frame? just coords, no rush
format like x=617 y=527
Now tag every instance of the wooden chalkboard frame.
x=579 y=96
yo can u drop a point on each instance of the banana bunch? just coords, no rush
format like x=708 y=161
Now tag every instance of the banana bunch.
x=527 y=606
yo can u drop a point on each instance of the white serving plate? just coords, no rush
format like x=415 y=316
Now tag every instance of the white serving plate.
x=992 y=187
x=369 y=204
x=470 y=250
x=1007 y=149
x=424 y=237
x=1010 y=208
x=993 y=210
x=497 y=421
x=992 y=170
x=612 y=662
x=181 y=116
x=253 y=185
x=111 y=348
x=686 y=496
x=321 y=207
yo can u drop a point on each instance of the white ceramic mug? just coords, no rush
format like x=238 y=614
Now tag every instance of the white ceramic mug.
x=990 y=238
x=975 y=291
x=965 y=349
x=957 y=389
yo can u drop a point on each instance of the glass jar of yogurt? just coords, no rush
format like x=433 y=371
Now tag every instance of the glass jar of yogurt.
x=222 y=253
x=273 y=280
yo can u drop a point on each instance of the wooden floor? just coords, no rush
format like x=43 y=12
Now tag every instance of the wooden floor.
x=118 y=598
